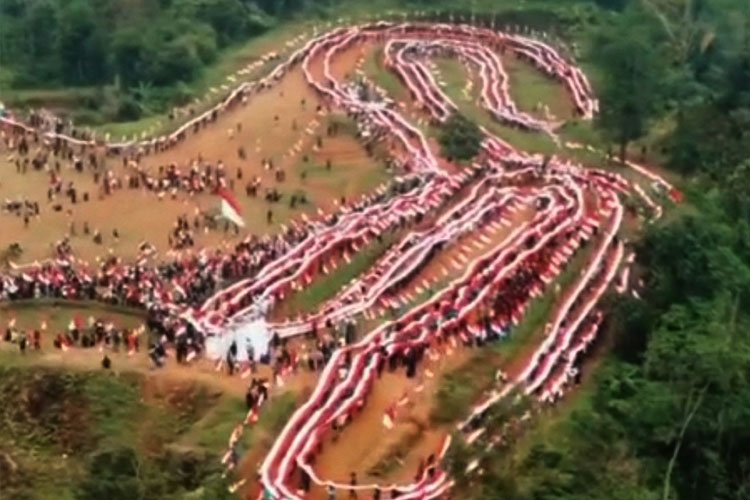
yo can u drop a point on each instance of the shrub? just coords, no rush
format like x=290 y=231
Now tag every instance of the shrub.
x=128 y=110
x=460 y=139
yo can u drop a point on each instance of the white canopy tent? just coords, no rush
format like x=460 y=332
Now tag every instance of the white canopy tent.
x=255 y=333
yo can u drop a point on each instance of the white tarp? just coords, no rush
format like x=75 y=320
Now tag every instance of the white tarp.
x=255 y=333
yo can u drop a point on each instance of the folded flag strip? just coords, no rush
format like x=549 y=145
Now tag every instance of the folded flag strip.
x=494 y=279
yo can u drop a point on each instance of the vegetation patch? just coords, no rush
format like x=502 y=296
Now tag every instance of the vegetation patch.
x=325 y=287
x=86 y=435
x=460 y=138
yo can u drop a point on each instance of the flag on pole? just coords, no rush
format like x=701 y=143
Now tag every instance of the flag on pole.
x=230 y=208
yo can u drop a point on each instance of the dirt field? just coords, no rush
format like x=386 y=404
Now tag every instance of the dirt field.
x=138 y=215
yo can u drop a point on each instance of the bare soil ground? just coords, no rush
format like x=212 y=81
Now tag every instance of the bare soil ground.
x=138 y=215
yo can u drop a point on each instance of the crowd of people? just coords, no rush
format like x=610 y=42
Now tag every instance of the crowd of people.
x=94 y=333
x=172 y=284
x=189 y=296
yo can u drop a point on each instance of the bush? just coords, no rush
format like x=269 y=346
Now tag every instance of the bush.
x=181 y=94
x=176 y=60
x=460 y=139
x=128 y=110
x=112 y=474
x=454 y=395
x=203 y=38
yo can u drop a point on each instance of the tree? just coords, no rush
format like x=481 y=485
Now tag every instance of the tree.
x=612 y=4
x=128 y=109
x=229 y=18
x=83 y=46
x=176 y=60
x=737 y=194
x=461 y=138
x=633 y=74
x=130 y=53
x=43 y=30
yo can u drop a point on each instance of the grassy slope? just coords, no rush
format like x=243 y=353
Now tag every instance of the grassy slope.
x=214 y=76
x=58 y=314
x=453 y=74
x=325 y=287
x=85 y=412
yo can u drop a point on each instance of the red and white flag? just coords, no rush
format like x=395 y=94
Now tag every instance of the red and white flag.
x=230 y=208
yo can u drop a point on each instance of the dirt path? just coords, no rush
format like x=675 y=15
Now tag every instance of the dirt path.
x=382 y=455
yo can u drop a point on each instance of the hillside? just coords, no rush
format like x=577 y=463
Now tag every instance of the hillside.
x=411 y=250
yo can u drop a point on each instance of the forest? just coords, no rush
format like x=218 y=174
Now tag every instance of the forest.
x=146 y=51
x=667 y=415
x=84 y=42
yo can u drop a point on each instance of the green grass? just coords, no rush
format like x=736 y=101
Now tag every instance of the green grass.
x=529 y=87
x=340 y=177
x=213 y=430
x=86 y=412
x=66 y=97
x=114 y=406
x=151 y=125
x=552 y=428
x=279 y=409
x=326 y=286
x=460 y=387
x=453 y=74
x=374 y=69
x=79 y=413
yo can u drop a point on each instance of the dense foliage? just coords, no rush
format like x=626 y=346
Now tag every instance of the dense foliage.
x=460 y=138
x=140 y=54
x=88 y=42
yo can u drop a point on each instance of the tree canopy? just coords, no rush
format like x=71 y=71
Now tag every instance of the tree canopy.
x=460 y=138
x=92 y=42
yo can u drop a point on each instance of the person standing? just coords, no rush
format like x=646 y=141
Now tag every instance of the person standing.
x=353 y=486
